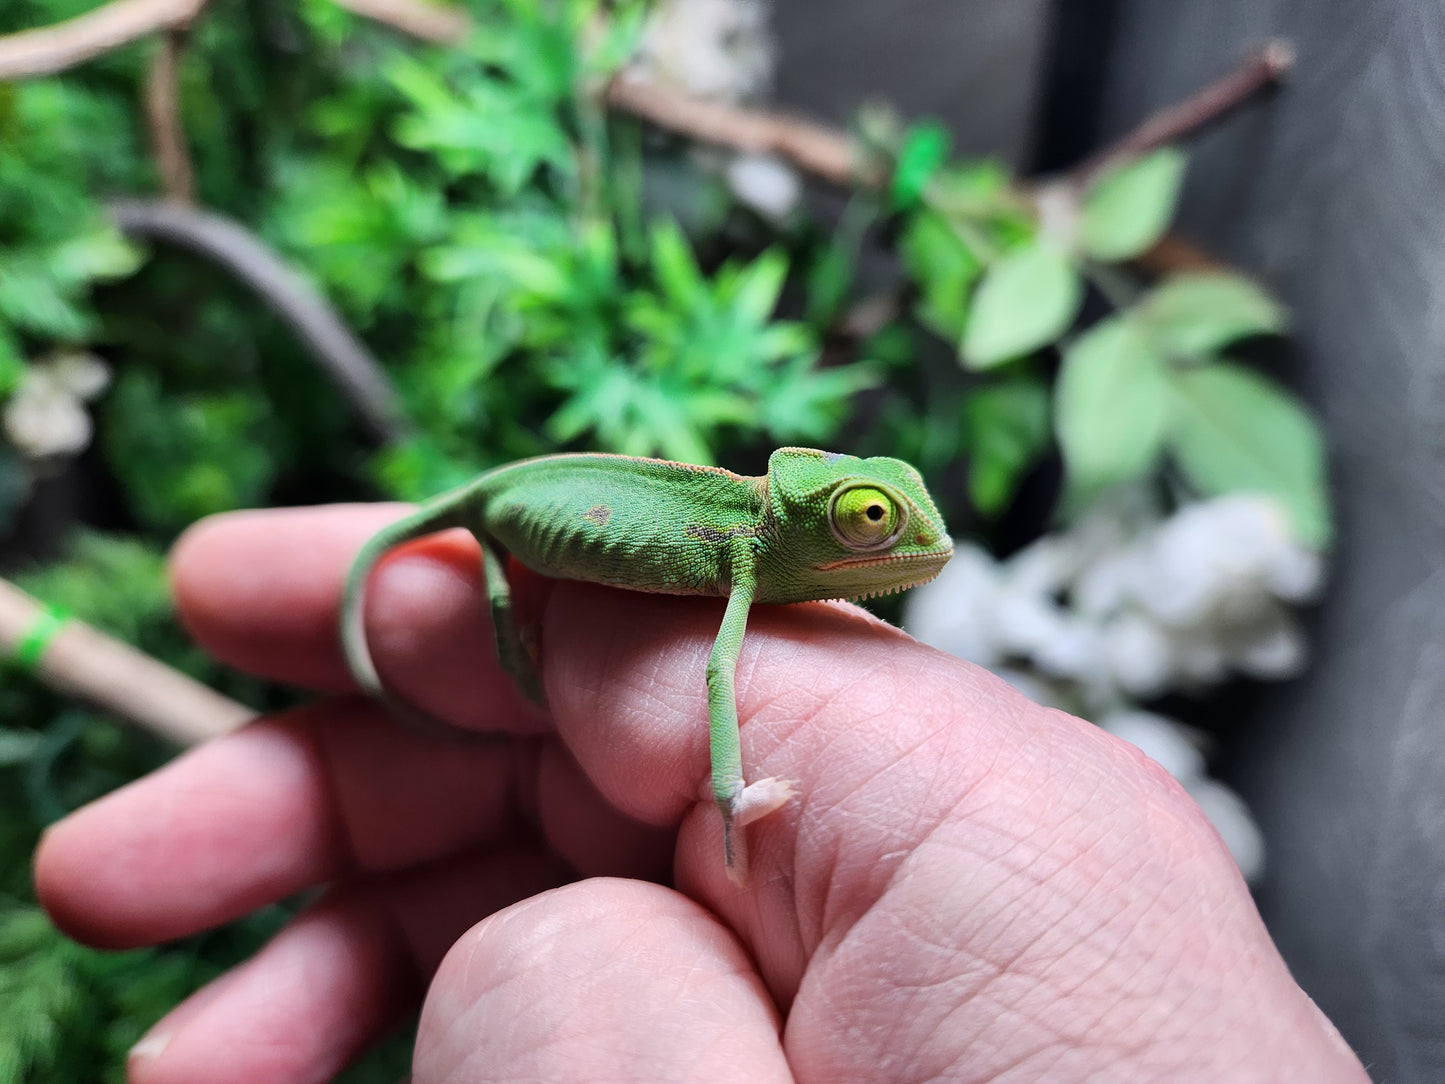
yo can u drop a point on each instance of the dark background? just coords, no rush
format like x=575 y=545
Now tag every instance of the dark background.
x=1332 y=190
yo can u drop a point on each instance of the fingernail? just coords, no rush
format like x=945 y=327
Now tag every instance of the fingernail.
x=149 y=1046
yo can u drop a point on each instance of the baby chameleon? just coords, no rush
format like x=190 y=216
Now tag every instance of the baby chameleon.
x=817 y=526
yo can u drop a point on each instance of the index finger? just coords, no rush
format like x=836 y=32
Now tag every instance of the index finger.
x=261 y=590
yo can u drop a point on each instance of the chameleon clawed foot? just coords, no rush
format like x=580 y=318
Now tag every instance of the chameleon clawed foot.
x=750 y=803
x=759 y=799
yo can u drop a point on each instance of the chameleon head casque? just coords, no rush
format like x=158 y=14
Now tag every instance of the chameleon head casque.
x=844 y=527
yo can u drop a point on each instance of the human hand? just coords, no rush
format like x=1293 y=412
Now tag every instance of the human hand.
x=969 y=887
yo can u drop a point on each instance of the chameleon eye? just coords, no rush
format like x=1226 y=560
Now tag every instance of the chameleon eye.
x=865 y=518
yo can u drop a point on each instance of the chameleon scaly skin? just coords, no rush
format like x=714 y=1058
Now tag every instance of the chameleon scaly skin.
x=818 y=525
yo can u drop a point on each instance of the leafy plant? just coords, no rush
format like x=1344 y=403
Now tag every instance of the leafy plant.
x=1147 y=384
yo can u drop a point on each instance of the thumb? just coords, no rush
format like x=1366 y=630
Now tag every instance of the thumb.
x=603 y=979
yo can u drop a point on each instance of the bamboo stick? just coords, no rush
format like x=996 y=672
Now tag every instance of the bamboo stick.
x=84 y=662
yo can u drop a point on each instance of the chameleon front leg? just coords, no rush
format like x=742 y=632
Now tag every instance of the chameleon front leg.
x=740 y=804
x=512 y=653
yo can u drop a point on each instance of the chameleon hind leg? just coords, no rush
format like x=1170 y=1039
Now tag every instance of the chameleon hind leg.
x=512 y=652
x=740 y=804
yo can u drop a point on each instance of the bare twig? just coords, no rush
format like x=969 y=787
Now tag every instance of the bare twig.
x=443 y=25
x=814 y=148
x=1261 y=69
x=50 y=49
x=349 y=364
x=82 y=661
x=1172 y=255
x=163 y=118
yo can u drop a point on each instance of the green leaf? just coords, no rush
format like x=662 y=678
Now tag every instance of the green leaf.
x=1027 y=299
x=35 y=299
x=1235 y=431
x=759 y=285
x=1007 y=429
x=924 y=150
x=1129 y=208
x=944 y=269
x=1111 y=406
x=100 y=254
x=1193 y=315
x=675 y=266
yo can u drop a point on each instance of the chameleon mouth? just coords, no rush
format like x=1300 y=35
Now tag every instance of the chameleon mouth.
x=940 y=555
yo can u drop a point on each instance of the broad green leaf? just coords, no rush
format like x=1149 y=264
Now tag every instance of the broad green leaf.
x=100 y=254
x=944 y=269
x=977 y=188
x=1129 y=208
x=1193 y=315
x=924 y=150
x=1027 y=299
x=1111 y=406
x=1007 y=429
x=1234 y=431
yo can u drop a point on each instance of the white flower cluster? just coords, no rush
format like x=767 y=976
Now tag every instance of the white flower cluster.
x=46 y=416
x=720 y=50
x=1126 y=606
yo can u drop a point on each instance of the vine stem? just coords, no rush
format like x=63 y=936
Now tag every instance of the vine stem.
x=341 y=355
x=84 y=662
x=163 y=118
x=817 y=149
x=1259 y=70
x=49 y=49
x=830 y=155
x=53 y=48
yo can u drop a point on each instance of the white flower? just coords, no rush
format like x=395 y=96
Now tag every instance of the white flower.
x=715 y=49
x=765 y=184
x=1219 y=561
x=46 y=416
x=1126 y=605
x=1272 y=649
x=1140 y=655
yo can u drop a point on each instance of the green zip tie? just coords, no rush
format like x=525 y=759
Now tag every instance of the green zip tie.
x=30 y=649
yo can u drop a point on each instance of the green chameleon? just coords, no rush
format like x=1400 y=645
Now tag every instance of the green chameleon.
x=818 y=525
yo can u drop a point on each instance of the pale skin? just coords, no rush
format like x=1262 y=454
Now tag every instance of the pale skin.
x=969 y=887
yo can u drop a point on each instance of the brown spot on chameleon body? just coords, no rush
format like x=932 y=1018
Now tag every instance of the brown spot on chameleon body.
x=598 y=514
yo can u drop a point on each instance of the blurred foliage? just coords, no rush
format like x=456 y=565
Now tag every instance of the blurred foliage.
x=534 y=275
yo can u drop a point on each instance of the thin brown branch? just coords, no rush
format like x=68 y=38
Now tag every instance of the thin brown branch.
x=824 y=152
x=1262 y=68
x=1172 y=255
x=225 y=242
x=49 y=49
x=437 y=23
x=163 y=119
x=83 y=662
